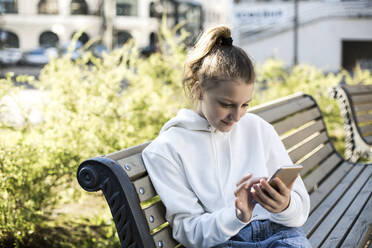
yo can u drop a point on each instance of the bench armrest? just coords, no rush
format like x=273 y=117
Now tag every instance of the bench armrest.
x=105 y=174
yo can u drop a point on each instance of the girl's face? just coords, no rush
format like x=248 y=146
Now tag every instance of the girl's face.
x=224 y=105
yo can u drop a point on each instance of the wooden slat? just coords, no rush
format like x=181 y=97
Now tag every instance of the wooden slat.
x=296 y=121
x=133 y=166
x=127 y=152
x=346 y=222
x=282 y=111
x=299 y=136
x=316 y=158
x=308 y=147
x=144 y=188
x=329 y=184
x=322 y=171
x=362 y=99
x=366 y=129
x=328 y=201
x=358 y=89
x=364 y=118
x=363 y=107
x=327 y=224
x=277 y=102
x=361 y=226
x=155 y=215
x=163 y=238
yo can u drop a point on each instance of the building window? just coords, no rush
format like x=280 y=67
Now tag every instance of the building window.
x=192 y=16
x=78 y=7
x=121 y=38
x=48 y=39
x=8 y=6
x=357 y=52
x=8 y=39
x=126 y=7
x=49 y=7
x=152 y=10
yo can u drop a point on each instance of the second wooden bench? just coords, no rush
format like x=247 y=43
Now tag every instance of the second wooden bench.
x=356 y=108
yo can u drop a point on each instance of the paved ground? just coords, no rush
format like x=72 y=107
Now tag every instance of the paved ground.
x=20 y=70
x=27 y=100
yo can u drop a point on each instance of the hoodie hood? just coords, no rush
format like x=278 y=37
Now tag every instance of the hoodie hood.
x=188 y=119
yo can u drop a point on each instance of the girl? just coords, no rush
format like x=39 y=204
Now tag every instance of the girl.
x=209 y=165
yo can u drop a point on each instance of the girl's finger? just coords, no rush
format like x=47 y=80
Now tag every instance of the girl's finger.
x=247 y=185
x=245 y=178
x=240 y=188
x=264 y=197
x=282 y=188
x=258 y=200
x=269 y=190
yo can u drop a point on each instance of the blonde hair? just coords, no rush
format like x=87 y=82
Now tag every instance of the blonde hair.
x=214 y=59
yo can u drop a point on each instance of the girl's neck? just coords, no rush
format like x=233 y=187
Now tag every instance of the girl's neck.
x=198 y=109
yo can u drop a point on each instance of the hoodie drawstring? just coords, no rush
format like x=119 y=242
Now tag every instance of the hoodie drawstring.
x=218 y=170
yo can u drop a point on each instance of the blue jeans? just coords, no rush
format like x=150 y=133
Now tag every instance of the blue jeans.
x=267 y=234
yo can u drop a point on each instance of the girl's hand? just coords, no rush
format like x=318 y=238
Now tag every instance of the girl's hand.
x=244 y=202
x=273 y=200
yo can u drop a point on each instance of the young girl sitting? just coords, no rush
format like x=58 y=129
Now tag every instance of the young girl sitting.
x=210 y=165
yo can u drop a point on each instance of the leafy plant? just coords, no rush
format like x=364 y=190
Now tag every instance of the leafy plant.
x=91 y=107
x=274 y=81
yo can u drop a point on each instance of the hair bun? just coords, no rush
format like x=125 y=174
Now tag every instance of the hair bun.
x=226 y=41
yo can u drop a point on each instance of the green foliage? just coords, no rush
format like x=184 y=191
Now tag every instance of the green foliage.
x=94 y=106
x=274 y=81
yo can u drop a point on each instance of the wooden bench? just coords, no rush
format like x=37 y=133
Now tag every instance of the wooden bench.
x=340 y=191
x=355 y=102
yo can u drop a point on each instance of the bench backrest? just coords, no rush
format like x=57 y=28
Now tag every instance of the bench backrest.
x=356 y=108
x=298 y=121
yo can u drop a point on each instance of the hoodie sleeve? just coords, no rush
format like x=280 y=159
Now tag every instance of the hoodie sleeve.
x=298 y=210
x=192 y=226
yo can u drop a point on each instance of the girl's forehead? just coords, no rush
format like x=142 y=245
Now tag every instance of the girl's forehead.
x=233 y=90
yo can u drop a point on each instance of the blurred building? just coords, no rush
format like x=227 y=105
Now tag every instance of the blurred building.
x=27 y=24
x=329 y=34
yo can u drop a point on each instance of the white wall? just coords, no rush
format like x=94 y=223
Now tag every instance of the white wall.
x=216 y=12
x=319 y=42
x=27 y=24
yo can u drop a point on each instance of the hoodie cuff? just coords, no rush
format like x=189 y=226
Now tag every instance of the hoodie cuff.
x=229 y=223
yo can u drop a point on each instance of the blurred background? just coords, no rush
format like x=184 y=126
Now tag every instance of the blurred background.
x=83 y=78
x=329 y=34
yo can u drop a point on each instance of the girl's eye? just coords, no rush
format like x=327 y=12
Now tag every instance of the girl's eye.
x=226 y=105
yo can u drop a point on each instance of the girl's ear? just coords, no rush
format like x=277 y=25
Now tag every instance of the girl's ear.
x=197 y=91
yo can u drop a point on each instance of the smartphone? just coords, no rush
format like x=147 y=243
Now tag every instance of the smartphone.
x=287 y=174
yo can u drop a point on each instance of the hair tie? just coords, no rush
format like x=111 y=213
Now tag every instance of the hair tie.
x=226 y=41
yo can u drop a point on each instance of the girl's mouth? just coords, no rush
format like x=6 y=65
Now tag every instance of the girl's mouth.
x=227 y=123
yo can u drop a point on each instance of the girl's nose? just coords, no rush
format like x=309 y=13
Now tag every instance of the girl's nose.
x=235 y=115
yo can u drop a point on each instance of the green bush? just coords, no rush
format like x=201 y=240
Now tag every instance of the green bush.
x=274 y=81
x=97 y=106
x=93 y=107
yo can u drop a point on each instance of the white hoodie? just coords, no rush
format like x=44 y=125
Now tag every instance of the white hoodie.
x=195 y=168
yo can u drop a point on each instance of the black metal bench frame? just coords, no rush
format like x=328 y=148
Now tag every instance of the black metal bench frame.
x=340 y=191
